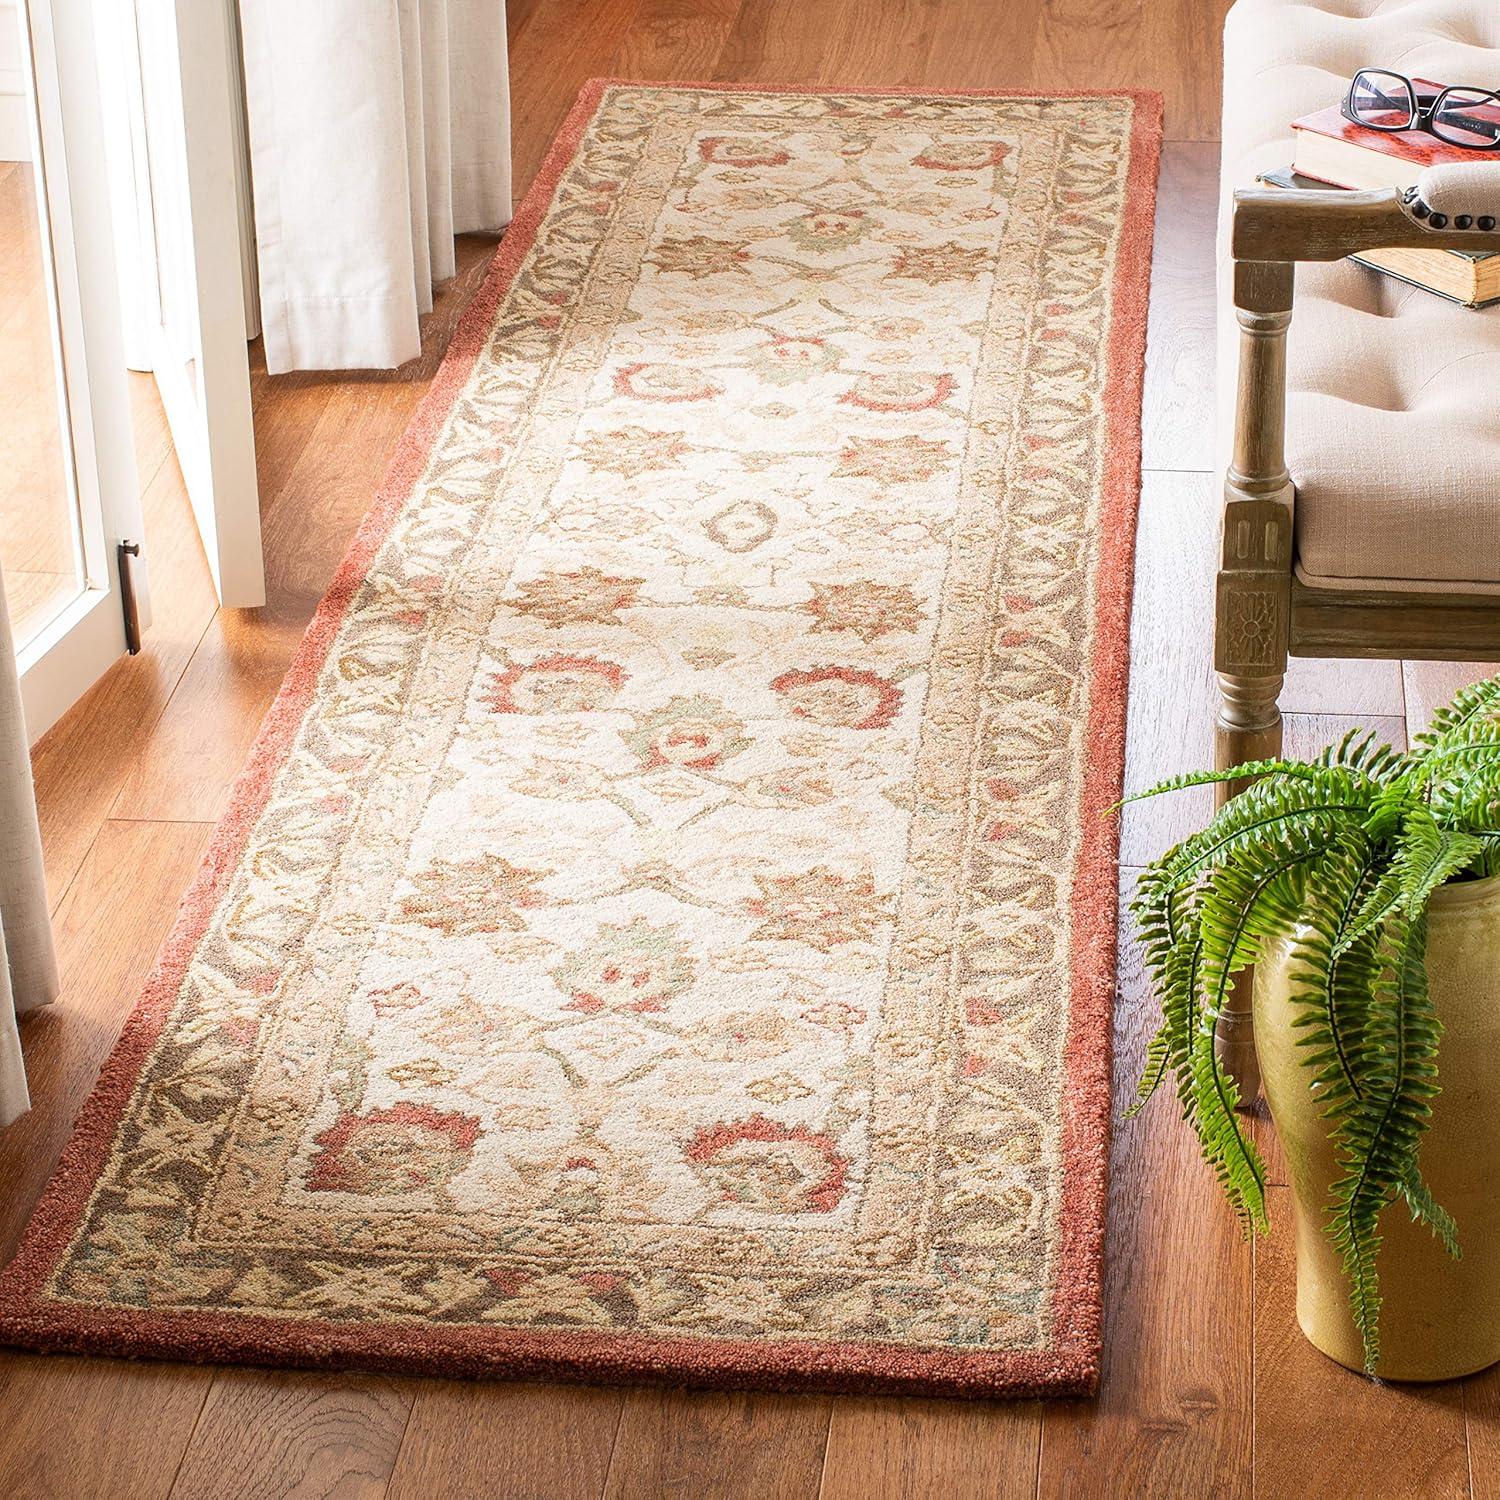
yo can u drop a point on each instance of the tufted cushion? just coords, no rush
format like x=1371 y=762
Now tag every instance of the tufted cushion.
x=1393 y=405
x=1471 y=188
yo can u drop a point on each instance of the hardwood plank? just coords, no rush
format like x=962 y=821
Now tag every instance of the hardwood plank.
x=1430 y=684
x=675 y=39
x=910 y=1450
x=560 y=47
x=1482 y=1431
x=108 y=929
x=1177 y=417
x=709 y=1445
x=1307 y=735
x=1173 y=1412
x=1342 y=685
x=979 y=46
x=495 y=1441
x=265 y=1435
x=1324 y=1430
x=1171 y=45
x=75 y=1429
x=82 y=761
x=778 y=41
x=1173 y=695
x=885 y=48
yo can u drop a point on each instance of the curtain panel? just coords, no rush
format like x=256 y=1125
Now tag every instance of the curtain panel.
x=28 y=964
x=378 y=131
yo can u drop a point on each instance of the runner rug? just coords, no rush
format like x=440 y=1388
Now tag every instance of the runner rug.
x=666 y=928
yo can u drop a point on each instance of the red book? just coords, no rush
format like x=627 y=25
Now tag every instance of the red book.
x=1337 y=151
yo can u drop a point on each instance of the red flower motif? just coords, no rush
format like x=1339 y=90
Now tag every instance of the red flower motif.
x=898 y=391
x=770 y=1168
x=841 y=697
x=962 y=156
x=644 y=381
x=395 y=1150
x=555 y=684
x=741 y=151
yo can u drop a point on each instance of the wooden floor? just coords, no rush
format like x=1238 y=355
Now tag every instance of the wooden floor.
x=1208 y=1389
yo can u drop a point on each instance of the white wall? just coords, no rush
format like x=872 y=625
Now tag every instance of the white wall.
x=15 y=132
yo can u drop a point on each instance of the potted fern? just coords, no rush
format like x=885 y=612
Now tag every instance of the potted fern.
x=1365 y=888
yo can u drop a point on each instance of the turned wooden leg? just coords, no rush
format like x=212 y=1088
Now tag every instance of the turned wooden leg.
x=1248 y=726
x=1252 y=613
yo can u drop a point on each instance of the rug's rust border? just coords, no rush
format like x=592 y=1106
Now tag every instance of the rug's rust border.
x=1071 y=1367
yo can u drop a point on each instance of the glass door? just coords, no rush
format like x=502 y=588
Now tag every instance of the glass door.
x=41 y=538
x=69 y=505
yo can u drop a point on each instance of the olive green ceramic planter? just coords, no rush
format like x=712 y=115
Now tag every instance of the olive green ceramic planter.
x=1440 y=1318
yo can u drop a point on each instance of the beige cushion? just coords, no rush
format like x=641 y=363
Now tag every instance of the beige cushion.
x=1393 y=411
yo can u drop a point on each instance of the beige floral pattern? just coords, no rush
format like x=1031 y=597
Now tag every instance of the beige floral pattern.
x=817 y=907
x=903 y=460
x=661 y=920
x=633 y=451
x=631 y=967
x=578 y=597
x=867 y=609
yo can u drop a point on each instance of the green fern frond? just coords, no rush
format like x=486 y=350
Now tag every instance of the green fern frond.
x=1425 y=856
x=1453 y=723
x=1249 y=771
x=1324 y=801
x=1425 y=1209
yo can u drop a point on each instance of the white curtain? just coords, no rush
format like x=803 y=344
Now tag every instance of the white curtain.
x=28 y=965
x=379 y=129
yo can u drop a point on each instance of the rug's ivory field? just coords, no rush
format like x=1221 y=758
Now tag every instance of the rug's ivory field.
x=666 y=928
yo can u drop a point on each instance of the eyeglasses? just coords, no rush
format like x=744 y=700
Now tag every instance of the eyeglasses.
x=1381 y=100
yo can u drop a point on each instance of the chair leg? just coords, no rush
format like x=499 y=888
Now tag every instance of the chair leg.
x=1253 y=598
x=1248 y=728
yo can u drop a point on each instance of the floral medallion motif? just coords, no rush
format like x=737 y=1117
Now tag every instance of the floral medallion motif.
x=580 y=597
x=866 y=609
x=557 y=684
x=636 y=967
x=898 y=390
x=825 y=230
x=698 y=255
x=397 y=1150
x=643 y=381
x=633 y=451
x=961 y=156
x=902 y=460
x=698 y=734
x=818 y=907
x=935 y=264
x=741 y=151
x=840 y=697
x=460 y=897
x=742 y=526
x=766 y=1168
x=787 y=360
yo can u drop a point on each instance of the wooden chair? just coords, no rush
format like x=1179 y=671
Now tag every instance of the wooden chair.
x=1264 y=612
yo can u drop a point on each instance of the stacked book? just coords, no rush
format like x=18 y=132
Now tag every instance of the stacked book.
x=1333 y=151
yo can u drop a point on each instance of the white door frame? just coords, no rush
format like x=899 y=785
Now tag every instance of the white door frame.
x=65 y=658
x=188 y=156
